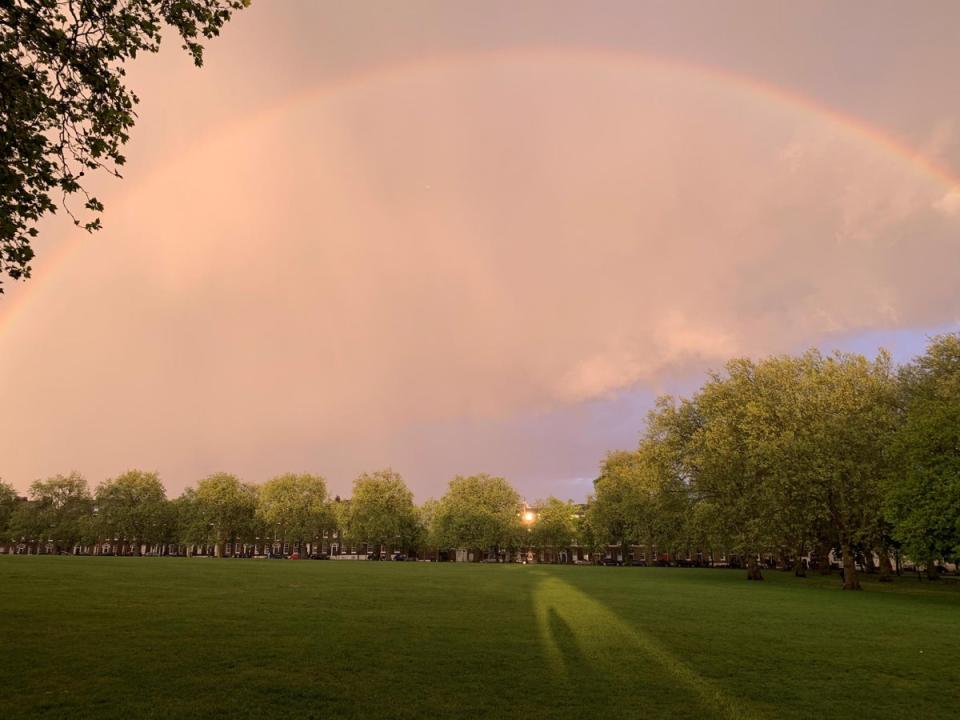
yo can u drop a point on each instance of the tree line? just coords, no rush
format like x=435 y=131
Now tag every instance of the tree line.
x=793 y=457
x=478 y=512
x=790 y=459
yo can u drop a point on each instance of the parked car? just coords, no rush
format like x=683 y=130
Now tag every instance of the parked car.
x=399 y=556
x=320 y=556
x=611 y=562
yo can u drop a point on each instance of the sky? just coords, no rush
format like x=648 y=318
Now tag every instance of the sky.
x=460 y=237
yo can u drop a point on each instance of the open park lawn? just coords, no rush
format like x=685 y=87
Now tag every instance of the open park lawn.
x=182 y=638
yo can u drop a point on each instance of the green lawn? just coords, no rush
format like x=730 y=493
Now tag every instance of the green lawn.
x=180 y=638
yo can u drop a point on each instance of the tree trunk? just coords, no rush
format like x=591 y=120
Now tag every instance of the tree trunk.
x=753 y=568
x=799 y=567
x=869 y=563
x=850 y=579
x=136 y=548
x=933 y=572
x=218 y=550
x=823 y=559
x=886 y=569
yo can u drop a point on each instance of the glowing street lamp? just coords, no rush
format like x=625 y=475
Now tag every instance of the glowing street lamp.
x=528 y=517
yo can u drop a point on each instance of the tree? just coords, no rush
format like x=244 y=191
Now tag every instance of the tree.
x=8 y=503
x=613 y=510
x=478 y=512
x=225 y=506
x=60 y=511
x=556 y=524
x=426 y=527
x=295 y=506
x=190 y=527
x=381 y=510
x=922 y=493
x=132 y=506
x=642 y=496
x=785 y=448
x=789 y=451
x=703 y=528
x=661 y=507
x=27 y=523
x=714 y=432
x=65 y=108
x=850 y=415
x=589 y=538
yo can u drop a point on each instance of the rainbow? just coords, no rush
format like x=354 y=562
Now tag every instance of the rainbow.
x=621 y=59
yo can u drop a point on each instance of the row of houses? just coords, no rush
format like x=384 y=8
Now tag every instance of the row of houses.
x=636 y=555
x=613 y=554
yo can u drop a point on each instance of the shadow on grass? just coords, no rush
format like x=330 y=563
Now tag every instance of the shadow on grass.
x=585 y=642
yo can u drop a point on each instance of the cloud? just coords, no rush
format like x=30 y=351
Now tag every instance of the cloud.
x=949 y=204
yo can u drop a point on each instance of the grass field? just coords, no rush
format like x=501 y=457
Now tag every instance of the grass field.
x=180 y=638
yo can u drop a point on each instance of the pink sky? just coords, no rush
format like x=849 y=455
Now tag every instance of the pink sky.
x=479 y=237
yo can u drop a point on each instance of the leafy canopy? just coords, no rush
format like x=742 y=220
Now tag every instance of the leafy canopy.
x=478 y=512
x=556 y=525
x=132 y=506
x=294 y=505
x=224 y=505
x=65 y=110
x=8 y=502
x=923 y=490
x=381 y=509
x=60 y=510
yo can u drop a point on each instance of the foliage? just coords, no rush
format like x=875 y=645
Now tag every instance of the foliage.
x=225 y=506
x=612 y=511
x=478 y=512
x=381 y=510
x=590 y=538
x=556 y=524
x=923 y=488
x=8 y=503
x=426 y=536
x=295 y=506
x=26 y=523
x=788 y=446
x=132 y=506
x=65 y=108
x=59 y=511
x=721 y=461
x=640 y=499
x=191 y=527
